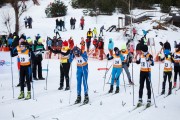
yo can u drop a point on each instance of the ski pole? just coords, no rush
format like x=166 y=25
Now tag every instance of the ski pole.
x=70 y=84
x=107 y=70
x=32 y=79
x=133 y=82
x=47 y=73
x=159 y=77
x=152 y=89
x=124 y=80
x=12 y=77
x=105 y=75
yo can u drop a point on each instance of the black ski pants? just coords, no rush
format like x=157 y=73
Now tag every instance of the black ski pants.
x=64 y=72
x=25 y=73
x=144 y=76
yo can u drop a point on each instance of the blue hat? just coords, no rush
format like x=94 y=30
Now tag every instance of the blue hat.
x=76 y=50
x=116 y=50
x=166 y=52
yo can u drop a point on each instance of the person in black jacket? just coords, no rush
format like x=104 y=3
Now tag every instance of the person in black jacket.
x=64 y=64
x=38 y=50
x=71 y=23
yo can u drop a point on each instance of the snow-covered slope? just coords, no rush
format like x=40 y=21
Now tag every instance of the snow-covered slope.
x=51 y=104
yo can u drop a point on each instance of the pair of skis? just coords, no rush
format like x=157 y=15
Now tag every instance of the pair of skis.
x=137 y=107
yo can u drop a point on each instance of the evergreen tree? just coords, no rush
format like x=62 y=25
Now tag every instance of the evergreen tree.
x=56 y=9
x=165 y=6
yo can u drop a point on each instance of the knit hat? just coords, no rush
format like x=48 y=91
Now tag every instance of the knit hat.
x=123 y=47
x=76 y=50
x=21 y=40
x=110 y=39
x=116 y=50
x=65 y=43
x=29 y=40
x=40 y=40
x=144 y=48
x=166 y=52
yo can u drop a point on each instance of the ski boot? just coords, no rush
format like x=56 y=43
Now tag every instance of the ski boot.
x=139 y=104
x=117 y=90
x=174 y=86
x=21 y=95
x=18 y=85
x=67 y=88
x=148 y=103
x=86 y=99
x=169 y=93
x=111 y=89
x=163 y=92
x=130 y=82
x=35 y=78
x=41 y=78
x=60 y=88
x=78 y=100
x=28 y=95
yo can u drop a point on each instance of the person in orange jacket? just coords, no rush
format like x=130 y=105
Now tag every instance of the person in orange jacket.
x=82 y=43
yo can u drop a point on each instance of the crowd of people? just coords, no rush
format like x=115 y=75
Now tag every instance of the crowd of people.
x=30 y=58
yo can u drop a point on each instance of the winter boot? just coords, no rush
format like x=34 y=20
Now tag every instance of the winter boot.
x=86 y=99
x=148 y=103
x=163 y=92
x=169 y=93
x=28 y=95
x=21 y=95
x=117 y=90
x=111 y=89
x=139 y=102
x=78 y=100
x=60 y=88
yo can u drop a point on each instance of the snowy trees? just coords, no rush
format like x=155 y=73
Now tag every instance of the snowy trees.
x=19 y=7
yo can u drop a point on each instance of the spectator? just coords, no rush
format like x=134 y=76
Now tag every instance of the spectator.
x=134 y=32
x=82 y=23
x=101 y=31
x=138 y=49
x=74 y=23
x=60 y=24
x=10 y=40
x=57 y=24
x=26 y=21
x=101 y=48
x=82 y=43
x=56 y=31
x=95 y=32
x=71 y=23
x=71 y=43
x=111 y=46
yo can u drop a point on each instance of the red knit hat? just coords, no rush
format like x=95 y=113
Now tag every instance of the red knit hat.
x=65 y=43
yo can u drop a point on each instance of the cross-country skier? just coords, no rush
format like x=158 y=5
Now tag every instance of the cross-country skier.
x=25 y=68
x=146 y=61
x=167 y=58
x=176 y=57
x=82 y=72
x=117 y=69
x=64 y=64
x=127 y=60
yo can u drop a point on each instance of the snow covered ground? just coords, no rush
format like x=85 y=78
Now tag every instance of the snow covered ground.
x=54 y=104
